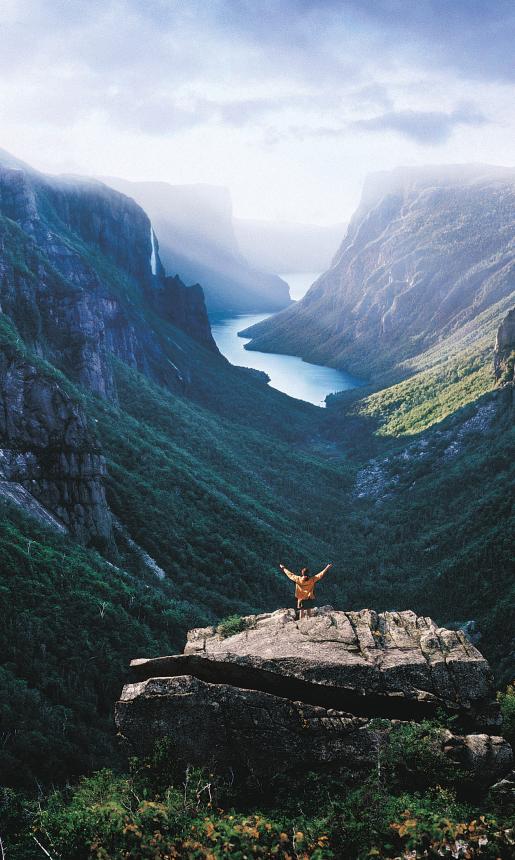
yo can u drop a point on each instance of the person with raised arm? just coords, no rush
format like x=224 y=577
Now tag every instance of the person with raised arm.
x=305 y=588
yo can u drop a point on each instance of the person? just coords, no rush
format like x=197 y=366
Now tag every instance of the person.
x=305 y=588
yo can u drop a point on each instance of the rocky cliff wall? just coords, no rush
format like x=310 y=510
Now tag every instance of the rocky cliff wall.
x=48 y=454
x=185 y=307
x=426 y=252
x=81 y=282
x=57 y=283
x=111 y=222
x=195 y=228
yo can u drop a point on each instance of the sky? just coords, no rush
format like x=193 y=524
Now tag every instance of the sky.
x=288 y=103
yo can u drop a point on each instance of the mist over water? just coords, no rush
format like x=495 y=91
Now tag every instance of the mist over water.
x=299 y=282
x=288 y=373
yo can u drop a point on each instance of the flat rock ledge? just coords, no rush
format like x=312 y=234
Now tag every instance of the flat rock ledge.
x=325 y=691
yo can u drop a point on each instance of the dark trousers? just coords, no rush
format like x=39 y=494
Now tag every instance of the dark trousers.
x=303 y=604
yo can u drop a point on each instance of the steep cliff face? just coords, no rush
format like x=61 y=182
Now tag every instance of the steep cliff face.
x=74 y=205
x=197 y=239
x=49 y=462
x=426 y=252
x=185 y=307
x=313 y=689
x=80 y=284
x=504 y=352
x=78 y=275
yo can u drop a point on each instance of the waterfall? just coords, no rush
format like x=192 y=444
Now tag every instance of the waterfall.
x=153 y=256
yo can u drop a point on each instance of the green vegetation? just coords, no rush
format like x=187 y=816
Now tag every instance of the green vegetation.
x=231 y=626
x=413 y=802
x=430 y=397
x=507 y=703
x=217 y=504
x=70 y=624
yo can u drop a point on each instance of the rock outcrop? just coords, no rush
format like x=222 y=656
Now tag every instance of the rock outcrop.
x=314 y=688
x=504 y=352
x=49 y=462
x=185 y=307
x=428 y=251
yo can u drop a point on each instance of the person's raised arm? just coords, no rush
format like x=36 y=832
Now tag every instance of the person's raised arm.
x=324 y=571
x=288 y=573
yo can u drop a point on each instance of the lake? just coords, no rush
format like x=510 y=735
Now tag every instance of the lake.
x=288 y=373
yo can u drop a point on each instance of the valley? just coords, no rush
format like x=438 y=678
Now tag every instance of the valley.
x=287 y=373
x=182 y=480
x=257 y=436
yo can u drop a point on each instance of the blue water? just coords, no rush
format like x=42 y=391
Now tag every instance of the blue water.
x=287 y=373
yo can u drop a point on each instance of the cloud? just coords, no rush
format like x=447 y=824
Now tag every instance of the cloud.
x=177 y=64
x=424 y=127
x=430 y=128
x=298 y=96
x=474 y=38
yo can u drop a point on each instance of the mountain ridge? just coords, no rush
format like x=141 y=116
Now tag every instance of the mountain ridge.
x=420 y=257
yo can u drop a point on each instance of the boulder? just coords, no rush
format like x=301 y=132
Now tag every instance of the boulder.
x=326 y=690
x=388 y=664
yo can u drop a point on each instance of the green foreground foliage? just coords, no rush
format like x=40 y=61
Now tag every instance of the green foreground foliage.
x=412 y=806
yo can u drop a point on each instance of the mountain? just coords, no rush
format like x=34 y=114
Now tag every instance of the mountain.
x=427 y=251
x=197 y=240
x=282 y=246
x=148 y=487
x=70 y=249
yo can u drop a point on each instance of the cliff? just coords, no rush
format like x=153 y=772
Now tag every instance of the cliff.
x=427 y=252
x=283 y=692
x=504 y=351
x=78 y=275
x=50 y=462
x=81 y=284
x=185 y=308
x=197 y=241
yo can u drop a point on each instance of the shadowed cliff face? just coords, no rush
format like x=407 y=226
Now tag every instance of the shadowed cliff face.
x=47 y=452
x=80 y=271
x=51 y=208
x=426 y=252
x=81 y=283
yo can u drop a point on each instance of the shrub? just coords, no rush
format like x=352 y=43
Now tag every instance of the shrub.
x=507 y=703
x=231 y=626
x=414 y=758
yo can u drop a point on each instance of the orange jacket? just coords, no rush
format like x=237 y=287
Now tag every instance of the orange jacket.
x=305 y=588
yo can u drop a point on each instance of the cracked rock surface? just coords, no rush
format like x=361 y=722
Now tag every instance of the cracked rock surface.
x=313 y=688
